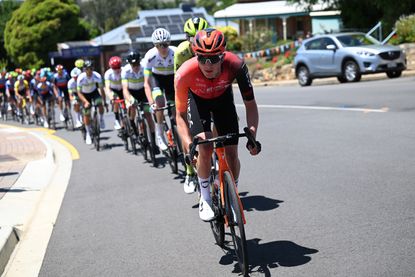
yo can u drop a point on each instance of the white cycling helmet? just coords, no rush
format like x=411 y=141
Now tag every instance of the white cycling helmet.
x=160 y=35
x=75 y=72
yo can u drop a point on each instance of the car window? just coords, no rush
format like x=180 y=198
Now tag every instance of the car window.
x=327 y=41
x=314 y=44
x=354 y=40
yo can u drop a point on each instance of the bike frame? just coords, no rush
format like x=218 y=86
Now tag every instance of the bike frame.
x=223 y=167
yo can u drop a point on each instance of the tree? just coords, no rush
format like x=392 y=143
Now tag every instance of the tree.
x=6 y=9
x=37 y=26
x=107 y=15
x=364 y=14
x=212 y=6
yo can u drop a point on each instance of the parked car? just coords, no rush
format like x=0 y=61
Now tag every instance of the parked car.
x=346 y=56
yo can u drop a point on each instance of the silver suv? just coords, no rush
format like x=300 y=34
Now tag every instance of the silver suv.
x=346 y=56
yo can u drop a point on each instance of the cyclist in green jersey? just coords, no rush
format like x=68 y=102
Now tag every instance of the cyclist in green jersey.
x=183 y=53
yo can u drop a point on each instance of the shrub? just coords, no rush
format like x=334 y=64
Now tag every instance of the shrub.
x=405 y=30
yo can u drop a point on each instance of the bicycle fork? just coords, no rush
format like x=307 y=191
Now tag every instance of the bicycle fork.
x=223 y=166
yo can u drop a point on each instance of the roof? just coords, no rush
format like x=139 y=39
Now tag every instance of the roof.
x=266 y=9
x=116 y=36
x=147 y=21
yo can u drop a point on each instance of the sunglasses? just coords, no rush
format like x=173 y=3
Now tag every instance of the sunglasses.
x=135 y=64
x=162 y=45
x=209 y=59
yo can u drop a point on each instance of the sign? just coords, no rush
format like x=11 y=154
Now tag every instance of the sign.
x=77 y=52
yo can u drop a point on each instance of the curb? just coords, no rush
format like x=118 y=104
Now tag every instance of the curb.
x=330 y=81
x=16 y=212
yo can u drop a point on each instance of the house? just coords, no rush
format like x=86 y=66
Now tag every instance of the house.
x=285 y=19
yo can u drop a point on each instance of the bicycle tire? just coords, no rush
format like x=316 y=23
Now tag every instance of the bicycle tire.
x=69 y=120
x=171 y=155
x=179 y=147
x=133 y=139
x=144 y=144
x=217 y=225
x=235 y=221
x=96 y=132
x=124 y=133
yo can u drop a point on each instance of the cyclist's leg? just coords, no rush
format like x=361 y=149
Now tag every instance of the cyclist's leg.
x=117 y=95
x=60 y=103
x=224 y=108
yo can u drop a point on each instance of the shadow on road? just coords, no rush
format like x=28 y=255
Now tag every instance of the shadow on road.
x=258 y=202
x=3 y=174
x=264 y=256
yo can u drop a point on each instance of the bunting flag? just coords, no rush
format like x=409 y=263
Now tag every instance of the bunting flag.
x=282 y=49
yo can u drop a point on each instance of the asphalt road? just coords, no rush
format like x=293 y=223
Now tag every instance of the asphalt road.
x=332 y=194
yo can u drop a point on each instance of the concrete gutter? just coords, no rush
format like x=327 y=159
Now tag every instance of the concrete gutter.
x=18 y=210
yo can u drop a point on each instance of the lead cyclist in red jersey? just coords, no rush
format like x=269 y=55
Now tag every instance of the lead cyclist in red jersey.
x=203 y=88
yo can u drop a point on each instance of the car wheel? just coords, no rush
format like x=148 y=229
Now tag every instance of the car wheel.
x=351 y=71
x=394 y=74
x=341 y=79
x=303 y=76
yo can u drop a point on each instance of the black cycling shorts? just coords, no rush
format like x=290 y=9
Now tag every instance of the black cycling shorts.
x=166 y=84
x=222 y=110
x=138 y=94
x=119 y=93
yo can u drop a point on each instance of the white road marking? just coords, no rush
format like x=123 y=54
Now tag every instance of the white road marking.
x=364 y=110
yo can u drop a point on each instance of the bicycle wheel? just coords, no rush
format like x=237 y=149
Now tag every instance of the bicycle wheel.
x=171 y=155
x=217 y=225
x=234 y=214
x=133 y=140
x=143 y=137
x=96 y=131
x=69 y=120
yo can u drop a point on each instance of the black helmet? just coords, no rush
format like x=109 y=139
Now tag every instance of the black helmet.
x=133 y=57
x=88 y=63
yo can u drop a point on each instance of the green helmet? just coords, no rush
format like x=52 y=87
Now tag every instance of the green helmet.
x=195 y=24
x=79 y=63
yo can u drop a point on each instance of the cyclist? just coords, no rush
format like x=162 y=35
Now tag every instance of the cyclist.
x=89 y=87
x=214 y=69
x=11 y=79
x=183 y=53
x=21 y=88
x=73 y=95
x=34 y=93
x=113 y=86
x=159 y=77
x=2 y=89
x=45 y=91
x=133 y=89
x=60 y=82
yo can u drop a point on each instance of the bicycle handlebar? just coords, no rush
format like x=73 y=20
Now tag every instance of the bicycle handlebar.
x=196 y=141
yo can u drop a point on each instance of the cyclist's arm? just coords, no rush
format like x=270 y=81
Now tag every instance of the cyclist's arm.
x=147 y=86
x=81 y=95
x=108 y=90
x=125 y=90
x=247 y=92
x=181 y=94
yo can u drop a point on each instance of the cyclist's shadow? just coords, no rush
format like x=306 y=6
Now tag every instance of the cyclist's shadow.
x=258 y=202
x=268 y=255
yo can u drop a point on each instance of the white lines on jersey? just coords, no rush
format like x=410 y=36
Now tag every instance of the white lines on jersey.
x=364 y=110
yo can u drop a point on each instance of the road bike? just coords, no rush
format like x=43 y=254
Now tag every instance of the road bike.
x=50 y=110
x=67 y=113
x=225 y=199
x=145 y=138
x=127 y=132
x=95 y=127
x=174 y=152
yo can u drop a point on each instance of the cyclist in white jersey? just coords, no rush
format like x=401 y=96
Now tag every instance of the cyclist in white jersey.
x=89 y=87
x=113 y=86
x=133 y=89
x=159 y=77
x=72 y=90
